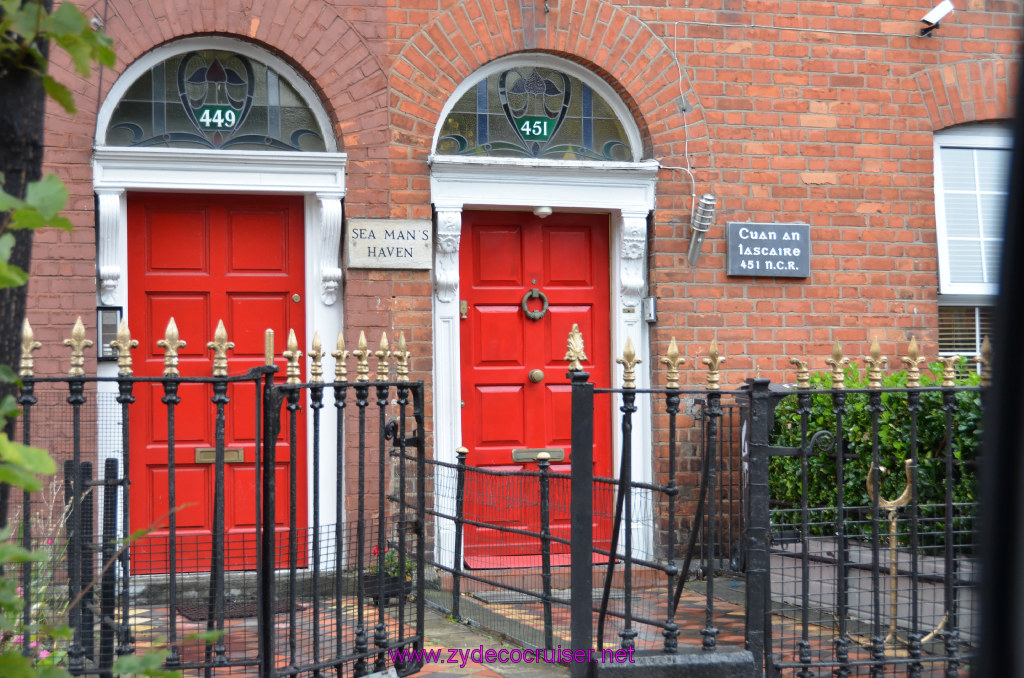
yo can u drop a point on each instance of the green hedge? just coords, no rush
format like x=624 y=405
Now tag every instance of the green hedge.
x=894 y=443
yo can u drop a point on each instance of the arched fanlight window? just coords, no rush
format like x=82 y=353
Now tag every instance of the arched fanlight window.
x=214 y=99
x=540 y=109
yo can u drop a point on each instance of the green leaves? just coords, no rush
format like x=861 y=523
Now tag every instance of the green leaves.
x=149 y=664
x=24 y=25
x=20 y=464
x=894 y=445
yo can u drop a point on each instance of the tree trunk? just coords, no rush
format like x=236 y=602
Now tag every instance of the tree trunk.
x=22 y=109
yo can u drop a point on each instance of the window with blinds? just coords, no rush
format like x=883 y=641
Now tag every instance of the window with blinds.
x=972 y=168
x=962 y=329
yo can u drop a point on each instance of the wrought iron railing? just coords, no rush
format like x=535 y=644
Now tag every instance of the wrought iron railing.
x=285 y=597
x=874 y=587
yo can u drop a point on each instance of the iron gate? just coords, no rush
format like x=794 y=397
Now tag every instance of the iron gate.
x=340 y=594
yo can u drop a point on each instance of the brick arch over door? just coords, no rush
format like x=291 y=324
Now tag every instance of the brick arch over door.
x=337 y=60
x=600 y=36
x=969 y=91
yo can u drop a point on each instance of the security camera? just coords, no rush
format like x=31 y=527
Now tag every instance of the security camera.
x=931 y=19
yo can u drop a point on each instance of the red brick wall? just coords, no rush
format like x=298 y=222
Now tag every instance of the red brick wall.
x=823 y=116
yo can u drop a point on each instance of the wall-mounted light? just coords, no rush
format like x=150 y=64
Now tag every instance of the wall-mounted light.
x=107 y=320
x=542 y=212
x=700 y=225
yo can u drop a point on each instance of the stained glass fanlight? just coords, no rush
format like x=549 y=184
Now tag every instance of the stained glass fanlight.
x=534 y=112
x=214 y=99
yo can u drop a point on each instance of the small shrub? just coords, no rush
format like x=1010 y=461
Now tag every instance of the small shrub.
x=894 y=446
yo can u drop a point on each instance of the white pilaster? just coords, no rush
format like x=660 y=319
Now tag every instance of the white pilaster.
x=447 y=372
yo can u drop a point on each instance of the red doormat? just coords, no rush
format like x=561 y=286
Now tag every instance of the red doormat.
x=198 y=612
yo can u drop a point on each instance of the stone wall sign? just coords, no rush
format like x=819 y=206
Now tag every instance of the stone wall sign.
x=776 y=250
x=389 y=243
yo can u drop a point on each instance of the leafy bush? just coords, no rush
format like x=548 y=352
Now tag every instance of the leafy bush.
x=894 y=445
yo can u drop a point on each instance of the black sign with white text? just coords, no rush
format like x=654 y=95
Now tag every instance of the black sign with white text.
x=778 y=250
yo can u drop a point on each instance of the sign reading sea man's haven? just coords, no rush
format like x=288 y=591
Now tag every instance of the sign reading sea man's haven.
x=778 y=250
x=389 y=243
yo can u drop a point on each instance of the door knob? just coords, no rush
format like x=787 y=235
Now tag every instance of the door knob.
x=296 y=298
x=536 y=376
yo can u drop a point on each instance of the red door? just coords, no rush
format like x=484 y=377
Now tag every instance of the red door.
x=504 y=257
x=201 y=259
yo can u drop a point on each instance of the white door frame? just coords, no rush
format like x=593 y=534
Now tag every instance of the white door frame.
x=317 y=176
x=625 y=191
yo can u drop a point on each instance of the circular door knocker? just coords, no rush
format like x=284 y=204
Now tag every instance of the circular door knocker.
x=533 y=294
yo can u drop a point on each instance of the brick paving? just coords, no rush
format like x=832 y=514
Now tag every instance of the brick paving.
x=240 y=639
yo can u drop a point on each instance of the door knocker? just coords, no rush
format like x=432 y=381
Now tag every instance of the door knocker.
x=533 y=294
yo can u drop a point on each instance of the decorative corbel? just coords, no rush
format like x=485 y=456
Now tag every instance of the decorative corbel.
x=109 y=271
x=330 y=247
x=632 y=250
x=446 y=254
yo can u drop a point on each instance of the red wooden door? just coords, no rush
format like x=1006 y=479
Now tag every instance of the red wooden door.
x=504 y=256
x=201 y=259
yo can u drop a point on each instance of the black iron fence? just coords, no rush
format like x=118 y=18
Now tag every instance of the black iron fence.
x=870 y=573
x=859 y=573
x=875 y=581
x=264 y=586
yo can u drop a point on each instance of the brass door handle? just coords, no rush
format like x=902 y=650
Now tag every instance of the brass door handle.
x=536 y=376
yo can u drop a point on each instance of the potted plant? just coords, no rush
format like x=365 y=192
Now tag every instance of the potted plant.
x=393 y=583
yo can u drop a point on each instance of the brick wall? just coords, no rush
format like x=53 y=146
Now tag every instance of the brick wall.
x=795 y=111
x=813 y=111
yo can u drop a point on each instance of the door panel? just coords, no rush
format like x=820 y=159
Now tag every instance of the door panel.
x=200 y=259
x=506 y=255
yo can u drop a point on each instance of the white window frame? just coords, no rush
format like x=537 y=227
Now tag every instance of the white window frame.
x=982 y=136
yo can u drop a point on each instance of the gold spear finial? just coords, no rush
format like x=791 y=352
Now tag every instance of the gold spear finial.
x=838 y=363
x=672 y=360
x=220 y=346
x=401 y=356
x=78 y=344
x=171 y=344
x=340 y=356
x=949 y=364
x=383 y=357
x=362 y=354
x=574 y=349
x=316 y=354
x=28 y=344
x=912 y=360
x=803 y=374
x=628 y=361
x=292 y=355
x=876 y=361
x=985 y=362
x=124 y=345
x=713 y=361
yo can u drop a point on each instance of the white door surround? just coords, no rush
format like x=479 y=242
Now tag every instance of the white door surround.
x=318 y=176
x=624 y=190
